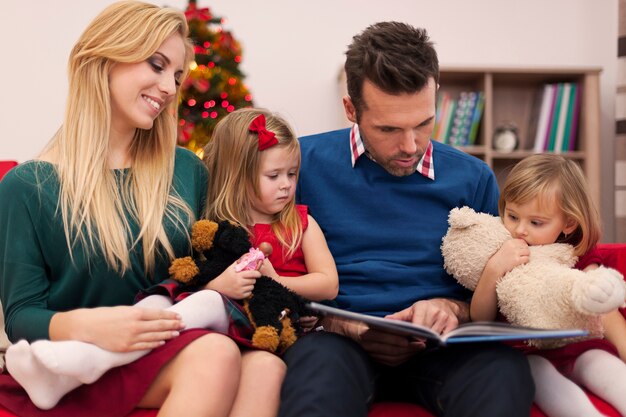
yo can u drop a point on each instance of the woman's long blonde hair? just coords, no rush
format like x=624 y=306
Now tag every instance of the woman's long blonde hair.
x=94 y=204
x=550 y=176
x=233 y=160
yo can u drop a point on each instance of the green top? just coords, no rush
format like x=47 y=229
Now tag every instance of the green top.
x=37 y=275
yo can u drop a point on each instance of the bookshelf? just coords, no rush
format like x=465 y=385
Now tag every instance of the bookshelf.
x=513 y=95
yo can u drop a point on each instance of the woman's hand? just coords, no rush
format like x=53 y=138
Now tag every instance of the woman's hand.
x=233 y=284
x=118 y=329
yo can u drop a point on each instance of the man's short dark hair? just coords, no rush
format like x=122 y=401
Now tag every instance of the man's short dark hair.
x=394 y=56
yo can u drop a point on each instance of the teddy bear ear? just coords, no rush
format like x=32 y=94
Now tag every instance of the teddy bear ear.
x=202 y=234
x=462 y=217
x=233 y=238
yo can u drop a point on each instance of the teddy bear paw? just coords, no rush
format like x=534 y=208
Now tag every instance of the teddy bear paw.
x=601 y=291
x=266 y=338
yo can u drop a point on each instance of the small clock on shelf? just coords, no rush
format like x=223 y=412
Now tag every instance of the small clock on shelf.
x=505 y=138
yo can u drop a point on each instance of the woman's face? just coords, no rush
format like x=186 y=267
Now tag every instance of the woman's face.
x=142 y=90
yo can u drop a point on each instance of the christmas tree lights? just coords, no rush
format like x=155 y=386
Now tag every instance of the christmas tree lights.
x=215 y=85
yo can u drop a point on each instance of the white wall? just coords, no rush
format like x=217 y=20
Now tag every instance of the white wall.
x=293 y=51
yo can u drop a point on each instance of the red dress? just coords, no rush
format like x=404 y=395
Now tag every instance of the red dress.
x=563 y=358
x=119 y=390
x=292 y=267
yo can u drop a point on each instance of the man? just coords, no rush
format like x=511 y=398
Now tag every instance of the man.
x=381 y=191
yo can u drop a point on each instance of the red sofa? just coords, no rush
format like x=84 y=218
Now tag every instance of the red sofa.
x=614 y=255
x=5 y=166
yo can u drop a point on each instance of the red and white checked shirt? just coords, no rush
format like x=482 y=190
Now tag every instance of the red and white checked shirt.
x=424 y=167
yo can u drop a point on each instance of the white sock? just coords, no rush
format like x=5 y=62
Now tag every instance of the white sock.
x=604 y=375
x=556 y=395
x=203 y=310
x=44 y=388
x=88 y=362
x=158 y=302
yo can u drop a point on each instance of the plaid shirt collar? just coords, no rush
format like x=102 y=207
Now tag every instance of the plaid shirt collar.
x=424 y=167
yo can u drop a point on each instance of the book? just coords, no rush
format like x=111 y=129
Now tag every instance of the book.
x=447 y=122
x=574 y=130
x=478 y=111
x=485 y=331
x=440 y=119
x=461 y=122
x=562 y=120
x=569 y=123
x=544 y=118
x=554 y=123
x=438 y=113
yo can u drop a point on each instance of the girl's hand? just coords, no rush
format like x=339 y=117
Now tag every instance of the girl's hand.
x=484 y=304
x=233 y=284
x=268 y=270
x=512 y=253
x=118 y=329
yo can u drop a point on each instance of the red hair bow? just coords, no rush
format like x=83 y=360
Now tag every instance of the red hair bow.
x=267 y=139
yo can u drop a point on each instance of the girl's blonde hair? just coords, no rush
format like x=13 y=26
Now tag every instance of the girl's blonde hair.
x=92 y=200
x=550 y=176
x=233 y=160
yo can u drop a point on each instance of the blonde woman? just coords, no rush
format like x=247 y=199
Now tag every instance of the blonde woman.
x=98 y=216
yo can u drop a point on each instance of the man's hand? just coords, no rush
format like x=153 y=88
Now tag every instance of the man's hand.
x=386 y=348
x=439 y=314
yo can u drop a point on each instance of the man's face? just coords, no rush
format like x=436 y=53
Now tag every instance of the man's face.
x=395 y=129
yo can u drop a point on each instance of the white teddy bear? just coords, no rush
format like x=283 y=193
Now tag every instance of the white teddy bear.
x=547 y=292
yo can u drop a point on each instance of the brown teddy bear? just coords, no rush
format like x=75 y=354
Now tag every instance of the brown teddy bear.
x=547 y=292
x=272 y=308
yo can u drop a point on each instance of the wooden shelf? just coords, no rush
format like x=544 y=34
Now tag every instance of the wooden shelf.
x=512 y=95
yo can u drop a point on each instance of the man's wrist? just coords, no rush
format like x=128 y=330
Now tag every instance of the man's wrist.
x=461 y=309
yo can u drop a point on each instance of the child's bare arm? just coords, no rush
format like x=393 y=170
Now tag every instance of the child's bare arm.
x=484 y=304
x=321 y=283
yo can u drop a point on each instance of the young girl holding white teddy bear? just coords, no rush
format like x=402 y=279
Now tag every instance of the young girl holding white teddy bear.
x=545 y=200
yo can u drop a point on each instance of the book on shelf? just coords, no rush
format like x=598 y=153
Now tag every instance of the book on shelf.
x=447 y=120
x=476 y=116
x=465 y=333
x=542 y=137
x=443 y=101
x=569 y=142
x=539 y=118
x=562 y=119
x=457 y=120
x=461 y=124
x=554 y=122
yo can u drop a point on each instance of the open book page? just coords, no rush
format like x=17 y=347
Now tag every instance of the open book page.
x=465 y=333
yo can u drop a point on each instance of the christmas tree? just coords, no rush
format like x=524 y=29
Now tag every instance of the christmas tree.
x=215 y=86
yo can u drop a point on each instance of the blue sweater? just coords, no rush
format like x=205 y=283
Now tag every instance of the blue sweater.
x=384 y=231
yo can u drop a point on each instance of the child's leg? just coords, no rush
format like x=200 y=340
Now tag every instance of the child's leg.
x=44 y=385
x=203 y=310
x=87 y=362
x=604 y=375
x=556 y=395
x=44 y=388
x=254 y=398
